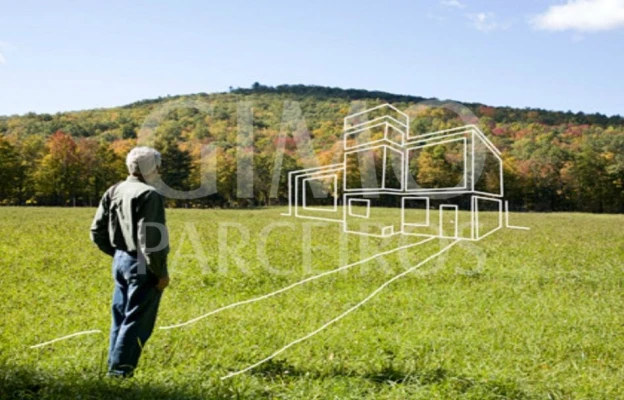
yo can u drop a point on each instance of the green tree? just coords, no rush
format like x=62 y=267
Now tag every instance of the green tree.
x=100 y=168
x=176 y=167
x=11 y=171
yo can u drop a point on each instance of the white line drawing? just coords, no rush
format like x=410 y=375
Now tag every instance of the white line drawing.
x=383 y=169
x=476 y=215
x=364 y=201
x=454 y=220
x=477 y=158
x=259 y=298
x=400 y=116
x=66 y=337
x=335 y=186
x=522 y=228
x=293 y=285
x=460 y=139
x=386 y=126
x=338 y=167
x=341 y=316
x=469 y=136
x=426 y=208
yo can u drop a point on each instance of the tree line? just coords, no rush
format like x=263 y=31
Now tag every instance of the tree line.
x=553 y=161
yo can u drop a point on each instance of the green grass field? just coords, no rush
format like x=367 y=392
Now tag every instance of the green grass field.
x=518 y=315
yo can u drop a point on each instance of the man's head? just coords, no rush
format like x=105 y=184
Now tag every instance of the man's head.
x=143 y=161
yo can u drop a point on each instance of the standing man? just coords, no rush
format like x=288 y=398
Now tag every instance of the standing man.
x=130 y=227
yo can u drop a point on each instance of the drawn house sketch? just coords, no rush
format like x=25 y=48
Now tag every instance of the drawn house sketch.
x=385 y=185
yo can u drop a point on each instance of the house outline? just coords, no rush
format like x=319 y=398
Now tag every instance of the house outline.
x=463 y=210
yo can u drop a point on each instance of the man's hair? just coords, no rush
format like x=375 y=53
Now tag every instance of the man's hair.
x=143 y=161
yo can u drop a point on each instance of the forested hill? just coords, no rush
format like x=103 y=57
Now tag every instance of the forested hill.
x=554 y=161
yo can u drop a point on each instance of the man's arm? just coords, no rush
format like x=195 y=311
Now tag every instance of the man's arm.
x=153 y=236
x=99 y=228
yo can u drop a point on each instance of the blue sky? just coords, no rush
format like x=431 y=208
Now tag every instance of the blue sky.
x=559 y=55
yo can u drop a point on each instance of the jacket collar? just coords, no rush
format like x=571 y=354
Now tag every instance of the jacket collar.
x=132 y=178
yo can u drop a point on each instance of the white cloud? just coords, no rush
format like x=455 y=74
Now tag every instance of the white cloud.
x=452 y=3
x=2 y=59
x=486 y=21
x=582 y=15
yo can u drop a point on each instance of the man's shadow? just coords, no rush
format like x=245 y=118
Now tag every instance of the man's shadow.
x=23 y=383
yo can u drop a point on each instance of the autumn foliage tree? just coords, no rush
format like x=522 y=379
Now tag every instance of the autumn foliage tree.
x=553 y=161
x=59 y=176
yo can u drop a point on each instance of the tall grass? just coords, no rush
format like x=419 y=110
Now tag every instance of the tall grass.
x=519 y=315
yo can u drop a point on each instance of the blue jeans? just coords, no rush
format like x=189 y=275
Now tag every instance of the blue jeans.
x=135 y=305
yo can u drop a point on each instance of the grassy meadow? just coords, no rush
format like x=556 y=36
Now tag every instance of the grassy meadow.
x=518 y=315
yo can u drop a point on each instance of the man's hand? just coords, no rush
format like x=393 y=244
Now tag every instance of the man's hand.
x=162 y=283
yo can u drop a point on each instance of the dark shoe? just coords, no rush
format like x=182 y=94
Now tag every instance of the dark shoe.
x=120 y=374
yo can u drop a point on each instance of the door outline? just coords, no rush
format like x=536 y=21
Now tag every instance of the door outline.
x=403 y=223
x=450 y=207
